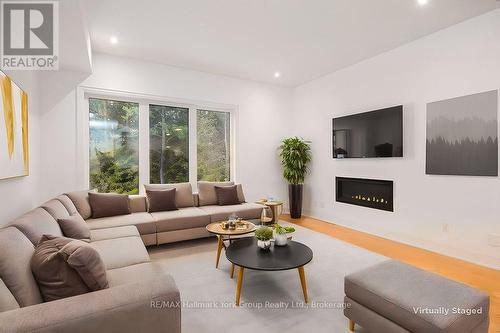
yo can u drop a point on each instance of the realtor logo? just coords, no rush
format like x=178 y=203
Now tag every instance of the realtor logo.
x=30 y=35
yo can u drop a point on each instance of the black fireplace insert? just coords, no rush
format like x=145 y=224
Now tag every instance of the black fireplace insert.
x=370 y=193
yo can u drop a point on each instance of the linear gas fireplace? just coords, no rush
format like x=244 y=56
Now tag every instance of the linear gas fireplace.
x=370 y=193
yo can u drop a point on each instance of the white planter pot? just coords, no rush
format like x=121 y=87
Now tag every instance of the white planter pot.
x=280 y=239
x=264 y=245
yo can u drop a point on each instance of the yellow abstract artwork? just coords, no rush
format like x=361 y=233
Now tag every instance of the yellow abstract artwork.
x=14 y=134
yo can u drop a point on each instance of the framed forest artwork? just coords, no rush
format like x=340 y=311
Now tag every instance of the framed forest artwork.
x=14 y=145
x=462 y=136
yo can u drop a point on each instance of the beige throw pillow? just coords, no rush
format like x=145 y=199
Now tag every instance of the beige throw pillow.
x=65 y=267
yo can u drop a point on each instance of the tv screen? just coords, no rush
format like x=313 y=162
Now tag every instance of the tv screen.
x=371 y=134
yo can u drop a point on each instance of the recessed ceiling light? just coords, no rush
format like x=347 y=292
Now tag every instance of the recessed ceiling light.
x=277 y=74
x=113 y=40
x=423 y=2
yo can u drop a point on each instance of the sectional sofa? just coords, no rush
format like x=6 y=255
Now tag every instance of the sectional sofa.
x=141 y=297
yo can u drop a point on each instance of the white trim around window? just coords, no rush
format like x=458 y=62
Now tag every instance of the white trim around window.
x=144 y=100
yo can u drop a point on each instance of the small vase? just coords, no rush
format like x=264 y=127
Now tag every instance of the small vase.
x=264 y=245
x=280 y=239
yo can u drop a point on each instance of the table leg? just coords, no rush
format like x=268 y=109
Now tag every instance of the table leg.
x=274 y=210
x=238 y=286
x=302 y=276
x=351 y=325
x=220 y=244
x=232 y=270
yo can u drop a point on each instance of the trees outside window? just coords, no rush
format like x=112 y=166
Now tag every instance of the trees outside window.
x=168 y=144
x=213 y=148
x=114 y=146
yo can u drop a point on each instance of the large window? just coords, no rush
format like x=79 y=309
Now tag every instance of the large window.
x=114 y=146
x=134 y=140
x=168 y=144
x=213 y=136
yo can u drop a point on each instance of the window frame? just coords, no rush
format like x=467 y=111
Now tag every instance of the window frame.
x=144 y=100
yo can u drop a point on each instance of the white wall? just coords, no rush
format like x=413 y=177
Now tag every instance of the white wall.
x=460 y=60
x=18 y=195
x=263 y=119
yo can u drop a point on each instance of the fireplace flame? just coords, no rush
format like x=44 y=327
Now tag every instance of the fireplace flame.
x=361 y=197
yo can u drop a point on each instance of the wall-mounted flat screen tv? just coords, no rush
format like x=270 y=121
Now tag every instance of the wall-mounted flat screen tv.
x=370 y=134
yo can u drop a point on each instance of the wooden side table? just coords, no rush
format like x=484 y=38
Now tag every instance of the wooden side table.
x=275 y=206
x=215 y=228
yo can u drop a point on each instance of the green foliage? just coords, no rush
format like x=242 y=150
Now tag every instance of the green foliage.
x=213 y=145
x=114 y=144
x=295 y=155
x=264 y=233
x=112 y=177
x=283 y=230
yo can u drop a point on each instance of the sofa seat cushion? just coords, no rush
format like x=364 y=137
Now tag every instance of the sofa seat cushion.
x=134 y=273
x=7 y=300
x=121 y=252
x=36 y=223
x=15 y=270
x=245 y=211
x=112 y=233
x=143 y=221
x=183 y=218
x=407 y=296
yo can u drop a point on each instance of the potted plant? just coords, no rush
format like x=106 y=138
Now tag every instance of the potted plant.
x=264 y=235
x=295 y=155
x=281 y=237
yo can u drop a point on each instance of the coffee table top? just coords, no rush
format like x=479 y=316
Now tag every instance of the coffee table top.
x=245 y=253
x=246 y=228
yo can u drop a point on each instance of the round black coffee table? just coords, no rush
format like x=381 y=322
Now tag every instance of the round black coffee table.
x=245 y=254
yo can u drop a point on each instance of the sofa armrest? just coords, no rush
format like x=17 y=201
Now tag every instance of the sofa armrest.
x=146 y=306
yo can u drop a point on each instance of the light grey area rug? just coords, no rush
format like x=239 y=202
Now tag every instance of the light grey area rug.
x=270 y=301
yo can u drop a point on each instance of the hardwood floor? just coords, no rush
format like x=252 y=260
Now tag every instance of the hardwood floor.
x=480 y=277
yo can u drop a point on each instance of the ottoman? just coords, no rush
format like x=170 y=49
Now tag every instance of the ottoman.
x=394 y=297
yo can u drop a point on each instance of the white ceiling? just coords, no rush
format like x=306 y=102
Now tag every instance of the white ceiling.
x=253 y=39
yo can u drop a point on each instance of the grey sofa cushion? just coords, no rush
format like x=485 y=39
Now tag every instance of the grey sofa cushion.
x=7 y=300
x=134 y=273
x=112 y=233
x=397 y=291
x=121 y=252
x=143 y=221
x=81 y=201
x=56 y=209
x=137 y=203
x=183 y=193
x=15 y=256
x=36 y=223
x=207 y=195
x=245 y=211
x=184 y=218
x=66 y=201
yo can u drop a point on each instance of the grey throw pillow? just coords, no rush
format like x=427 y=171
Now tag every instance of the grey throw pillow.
x=65 y=267
x=227 y=195
x=108 y=204
x=75 y=227
x=162 y=200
